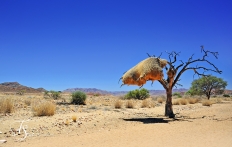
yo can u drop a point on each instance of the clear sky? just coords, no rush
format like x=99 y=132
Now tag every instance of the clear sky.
x=60 y=44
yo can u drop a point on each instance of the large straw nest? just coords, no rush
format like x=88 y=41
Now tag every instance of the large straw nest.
x=148 y=69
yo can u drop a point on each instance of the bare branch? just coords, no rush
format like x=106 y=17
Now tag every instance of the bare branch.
x=190 y=61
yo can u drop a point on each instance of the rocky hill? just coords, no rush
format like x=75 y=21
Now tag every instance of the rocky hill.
x=16 y=87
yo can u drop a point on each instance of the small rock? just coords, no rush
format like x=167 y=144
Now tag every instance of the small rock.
x=2 y=141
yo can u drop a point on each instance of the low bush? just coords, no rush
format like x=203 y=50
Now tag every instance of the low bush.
x=118 y=104
x=177 y=94
x=78 y=98
x=160 y=100
x=44 y=108
x=130 y=104
x=183 y=101
x=192 y=100
x=6 y=105
x=206 y=103
x=145 y=104
x=226 y=95
x=140 y=94
x=176 y=102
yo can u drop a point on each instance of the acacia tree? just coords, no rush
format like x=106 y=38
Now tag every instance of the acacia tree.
x=175 y=71
x=208 y=85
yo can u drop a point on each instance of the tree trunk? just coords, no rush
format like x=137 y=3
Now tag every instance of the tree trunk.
x=168 y=105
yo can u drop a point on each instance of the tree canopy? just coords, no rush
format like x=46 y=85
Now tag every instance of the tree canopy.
x=208 y=85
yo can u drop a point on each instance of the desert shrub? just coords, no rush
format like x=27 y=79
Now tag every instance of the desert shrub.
x=44 y=108
x=55 y=94
x=52 y=94
x=145 y=104
x=118 y=104
x=74 y=118
x=160 y=100
x=6 y=105
x=27 y=102
x=183 y=101
x=78 y=98
x=138 y=94
x=21 y=92
x=130 y=104
x=226 y=95
x=177 y=94
x=206 y=103
x=176 y=102
x=192 y=100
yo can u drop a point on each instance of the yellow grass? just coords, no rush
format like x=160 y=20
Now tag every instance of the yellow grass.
x=160 y=100
x=44 y=108
x=206 y=103
x=147 y=103
x=118 y=104
x=130 y=104
x=74 y=118
x=6 y=105
x=192 y=100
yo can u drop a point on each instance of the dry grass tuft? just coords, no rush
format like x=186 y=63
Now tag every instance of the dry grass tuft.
x=118 y=104
x=6 y=105
x=130 y=104
x=206 y=103
x=27 y=102
x=67 y=122
x=160 y=100
x=44 y=108
x=176 y=102
x=147 y=103
x=183 y=101
x=74 y=118
x=192 y=100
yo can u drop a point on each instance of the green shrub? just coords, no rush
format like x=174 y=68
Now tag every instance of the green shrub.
x=55 y=94
x=78 y=98
x=138 y=94
x=52 y=94
x=226 y=95
x=177 y=94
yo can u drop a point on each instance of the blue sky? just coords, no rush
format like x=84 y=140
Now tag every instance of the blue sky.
x=60 y=44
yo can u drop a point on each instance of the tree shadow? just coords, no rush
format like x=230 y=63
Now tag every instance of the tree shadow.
x=149 y=120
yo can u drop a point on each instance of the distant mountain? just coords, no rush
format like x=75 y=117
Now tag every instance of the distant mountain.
x=16 y=87
x=94 y=90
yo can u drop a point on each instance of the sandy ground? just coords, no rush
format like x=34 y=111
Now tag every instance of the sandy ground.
x=102 y=125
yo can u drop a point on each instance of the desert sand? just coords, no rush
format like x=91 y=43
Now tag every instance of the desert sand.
x=99 y=124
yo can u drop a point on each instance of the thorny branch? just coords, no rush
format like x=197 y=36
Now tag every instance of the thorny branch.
x=172 y=60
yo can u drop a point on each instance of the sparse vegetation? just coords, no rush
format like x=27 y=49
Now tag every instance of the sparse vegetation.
x=192 y=100
x=147 y=104
x=160 y=100
x=118 y=104
x=74 y=118
x=139 y=94
x=176 y=102
x=21 y=92
x=226 y=95
x=6 y=105
x=44 y=108
x=206 y=103
x=130 y=104
x=78 y=98
x=183 y=101
x=177 y=94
